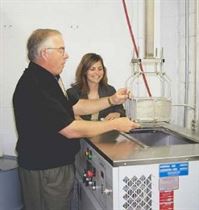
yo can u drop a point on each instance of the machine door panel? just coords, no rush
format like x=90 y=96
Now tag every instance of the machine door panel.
x=86 y=199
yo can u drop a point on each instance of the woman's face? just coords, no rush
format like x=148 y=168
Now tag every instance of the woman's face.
x=95 y=73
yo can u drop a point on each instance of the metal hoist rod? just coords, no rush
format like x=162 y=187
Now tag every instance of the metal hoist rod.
x=135 y=47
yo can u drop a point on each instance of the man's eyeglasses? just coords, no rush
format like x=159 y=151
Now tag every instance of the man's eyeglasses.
x=61 y=50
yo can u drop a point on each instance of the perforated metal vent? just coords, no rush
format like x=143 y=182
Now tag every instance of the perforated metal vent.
x=137 y=193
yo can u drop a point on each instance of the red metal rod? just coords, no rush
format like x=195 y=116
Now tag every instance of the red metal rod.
x=135 y=47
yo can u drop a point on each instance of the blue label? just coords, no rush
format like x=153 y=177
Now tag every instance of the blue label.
x=174 y=169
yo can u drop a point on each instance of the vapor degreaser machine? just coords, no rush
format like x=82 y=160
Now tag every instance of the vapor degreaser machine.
x=152 y=168
x=155 y=167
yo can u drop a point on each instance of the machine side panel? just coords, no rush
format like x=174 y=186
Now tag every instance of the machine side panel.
x=146 y=187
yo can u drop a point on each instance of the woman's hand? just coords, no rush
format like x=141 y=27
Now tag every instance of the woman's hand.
x=112 y=116
x=77 y=117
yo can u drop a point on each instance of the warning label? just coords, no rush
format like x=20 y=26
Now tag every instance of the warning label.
x=166 y=200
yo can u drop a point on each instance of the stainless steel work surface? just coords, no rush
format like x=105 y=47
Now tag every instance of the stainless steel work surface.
x=152 y=143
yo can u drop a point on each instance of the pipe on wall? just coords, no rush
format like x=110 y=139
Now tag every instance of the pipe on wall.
x=196 y=118
x=149 y=28
x=187 y=63
x=194 y=60
x=195 y=66
x=186 y=84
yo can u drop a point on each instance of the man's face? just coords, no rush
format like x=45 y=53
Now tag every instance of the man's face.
x=56 y=55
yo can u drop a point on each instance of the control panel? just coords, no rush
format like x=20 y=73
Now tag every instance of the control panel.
x=95 y=174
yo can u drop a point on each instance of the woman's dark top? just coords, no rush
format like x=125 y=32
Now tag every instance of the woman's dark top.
x=75 y=93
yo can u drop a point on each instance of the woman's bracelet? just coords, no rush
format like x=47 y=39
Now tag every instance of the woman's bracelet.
x=109 y=101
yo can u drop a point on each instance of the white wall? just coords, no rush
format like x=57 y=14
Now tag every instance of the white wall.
x=178 y=37
x=88 y=26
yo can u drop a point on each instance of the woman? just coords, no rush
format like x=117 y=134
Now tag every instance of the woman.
x=91 y=82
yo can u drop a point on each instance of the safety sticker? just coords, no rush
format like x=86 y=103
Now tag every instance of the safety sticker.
x=166 y=200
x=174 y=169
x=169 y=183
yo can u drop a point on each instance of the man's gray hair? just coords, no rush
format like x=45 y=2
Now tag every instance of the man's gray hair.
x=36 y=40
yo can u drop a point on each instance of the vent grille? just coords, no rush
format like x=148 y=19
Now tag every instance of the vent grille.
x=137 y=193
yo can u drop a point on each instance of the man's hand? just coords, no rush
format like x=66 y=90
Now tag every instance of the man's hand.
x=120 y=96
x=123 y=124
x=91 y=106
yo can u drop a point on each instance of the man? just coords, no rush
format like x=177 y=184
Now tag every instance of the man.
x=47 y=131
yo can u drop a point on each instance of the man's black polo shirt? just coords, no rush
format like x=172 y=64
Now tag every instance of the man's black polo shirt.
x=41 y=110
